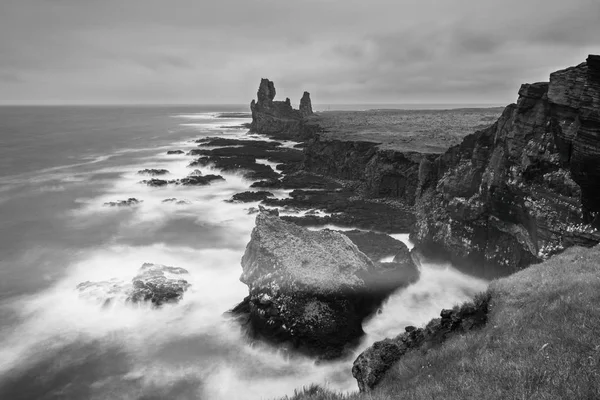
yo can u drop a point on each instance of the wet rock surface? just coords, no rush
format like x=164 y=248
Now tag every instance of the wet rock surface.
x=200 y=180
x=246 y=197
x=154 y=283
x=307 y=289
x=372 y=364
x=346 y=210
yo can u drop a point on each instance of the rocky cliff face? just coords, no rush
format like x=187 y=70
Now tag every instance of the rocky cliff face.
x=525 y=188
x=311 y=289
x=278 y=118
x=383 y=173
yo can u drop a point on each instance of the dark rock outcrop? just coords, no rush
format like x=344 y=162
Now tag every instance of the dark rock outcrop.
x=172 y=152
x=156 y=182
x=278 y=118
x=153 y=171
x=246 y=197
x=154 y=283
x=307 y=288
x=346 y=210
x=372 y=364
x=382 y=173
x=132 y=201
x=523 y=189
x=200 y=180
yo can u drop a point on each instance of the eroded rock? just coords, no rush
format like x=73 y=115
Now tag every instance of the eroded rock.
x=154 y=283
x=309 y=289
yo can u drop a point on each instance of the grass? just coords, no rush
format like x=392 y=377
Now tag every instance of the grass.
x=427 y=131
x=542 y=341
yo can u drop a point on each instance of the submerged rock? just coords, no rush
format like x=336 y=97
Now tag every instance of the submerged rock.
x=156 y=182
x=153 y=172
x=246 y=197
x=309 y=289
x=132 y=201
x=154 y=283
x=200 y=180
x=176 y=201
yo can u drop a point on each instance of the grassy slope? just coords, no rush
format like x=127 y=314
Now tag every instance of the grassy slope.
x=542 y=341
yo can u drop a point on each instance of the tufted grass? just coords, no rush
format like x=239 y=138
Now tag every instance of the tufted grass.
x=542 y=341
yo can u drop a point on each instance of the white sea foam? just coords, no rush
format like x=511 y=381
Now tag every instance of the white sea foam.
x=192 y=339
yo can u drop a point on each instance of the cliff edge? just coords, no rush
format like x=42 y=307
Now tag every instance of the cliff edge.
x=524 y=189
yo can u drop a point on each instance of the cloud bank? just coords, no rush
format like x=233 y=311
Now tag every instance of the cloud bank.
x=343 y=51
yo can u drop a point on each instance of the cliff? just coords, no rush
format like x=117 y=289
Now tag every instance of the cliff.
x=278 y=118
x=523 y=189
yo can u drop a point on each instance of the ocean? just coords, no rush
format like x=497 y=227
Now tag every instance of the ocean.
x=58 y=168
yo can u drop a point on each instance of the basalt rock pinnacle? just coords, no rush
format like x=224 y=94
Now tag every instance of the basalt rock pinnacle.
x=278 y=118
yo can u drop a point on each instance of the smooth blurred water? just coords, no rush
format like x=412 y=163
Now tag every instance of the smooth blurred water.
x=58 y=166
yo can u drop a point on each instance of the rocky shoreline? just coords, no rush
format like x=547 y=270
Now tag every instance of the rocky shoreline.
x=502 y=198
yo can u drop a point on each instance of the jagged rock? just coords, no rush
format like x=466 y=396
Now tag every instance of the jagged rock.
x=372 y=364
x=305 y=105
x=246 y=197
x=176 y=201
x=132 y=201
x=224 y=142
x=278 y=118
x=171 y=152
x=345 y=210
x=523 y=189
x=247 y=163
x=307 y=288
x=156 y=182
x=153 y=172
x=154 y=283
x=200 y=180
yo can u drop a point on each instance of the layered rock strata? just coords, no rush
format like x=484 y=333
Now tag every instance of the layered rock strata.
x=525 y=188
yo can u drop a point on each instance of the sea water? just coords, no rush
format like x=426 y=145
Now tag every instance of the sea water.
x=58 y=166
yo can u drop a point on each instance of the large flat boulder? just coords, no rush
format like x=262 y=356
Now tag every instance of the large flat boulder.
x=309 y=289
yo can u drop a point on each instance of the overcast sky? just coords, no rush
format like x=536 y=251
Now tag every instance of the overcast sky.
x=342 y=51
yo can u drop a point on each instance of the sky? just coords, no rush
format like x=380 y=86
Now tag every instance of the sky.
x=342 y=51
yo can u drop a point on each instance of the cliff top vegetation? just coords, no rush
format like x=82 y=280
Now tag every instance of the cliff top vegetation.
x=542 y=341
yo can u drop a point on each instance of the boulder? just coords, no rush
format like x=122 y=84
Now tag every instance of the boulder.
x=154 y=283
x=308 y=289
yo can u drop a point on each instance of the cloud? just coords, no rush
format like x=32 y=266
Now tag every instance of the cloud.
x=342 y=51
